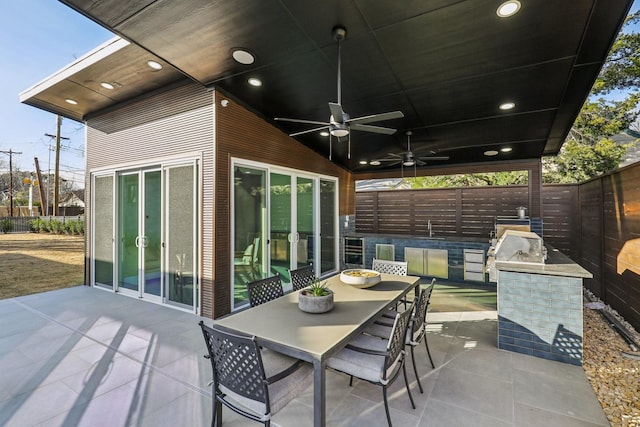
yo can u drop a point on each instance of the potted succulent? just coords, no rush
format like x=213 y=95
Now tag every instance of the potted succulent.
x=316 y=298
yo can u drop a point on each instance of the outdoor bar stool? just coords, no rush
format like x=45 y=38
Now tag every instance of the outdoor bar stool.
x=377 y=361
x=302 y=277
x=416 y=332
x=252 y=382
x=264 y=290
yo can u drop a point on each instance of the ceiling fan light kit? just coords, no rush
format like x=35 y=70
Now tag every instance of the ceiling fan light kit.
x=340 y=124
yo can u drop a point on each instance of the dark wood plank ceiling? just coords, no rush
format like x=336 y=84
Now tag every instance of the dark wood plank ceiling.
x=447 y=65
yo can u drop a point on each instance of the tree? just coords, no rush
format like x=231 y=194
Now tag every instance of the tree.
x=589 y=149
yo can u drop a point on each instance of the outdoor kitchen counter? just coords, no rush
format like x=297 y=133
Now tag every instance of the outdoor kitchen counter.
x=557 y=264
x=540 y=308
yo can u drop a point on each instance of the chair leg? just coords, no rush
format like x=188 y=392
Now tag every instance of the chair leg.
x=426 y=344
x=216 y=419
x=386 y=404
x=415 y=370
x=350 y=380
x=406 y=383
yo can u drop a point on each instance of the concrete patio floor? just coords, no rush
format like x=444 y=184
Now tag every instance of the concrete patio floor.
x=85 y=357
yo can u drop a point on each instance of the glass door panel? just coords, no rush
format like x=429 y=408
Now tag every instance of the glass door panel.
x=305 y=222
x=328 y=218
x=249 y=232
x=280 y=210
x=128 y=231
x=151 y=241
x=181 y=222
x=103 y=231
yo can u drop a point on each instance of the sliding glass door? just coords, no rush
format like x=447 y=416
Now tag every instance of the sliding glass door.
x=145 y=233
x=282 y=220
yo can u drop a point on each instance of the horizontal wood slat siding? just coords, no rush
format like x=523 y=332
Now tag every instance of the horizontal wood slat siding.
x=241 y=134
x=178 y=121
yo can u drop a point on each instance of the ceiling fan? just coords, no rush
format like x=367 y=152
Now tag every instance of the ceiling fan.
x=407 y=158
x=340 y=124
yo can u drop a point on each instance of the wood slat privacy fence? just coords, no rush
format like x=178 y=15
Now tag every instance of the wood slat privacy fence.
x=464 y=212
x=596 y=223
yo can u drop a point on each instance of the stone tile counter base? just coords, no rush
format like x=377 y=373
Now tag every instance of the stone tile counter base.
x=540 y=315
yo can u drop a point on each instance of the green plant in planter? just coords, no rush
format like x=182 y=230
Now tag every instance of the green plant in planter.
x=318 y=288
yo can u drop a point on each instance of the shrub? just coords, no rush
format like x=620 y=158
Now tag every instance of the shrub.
x=6 y=225
x=34 y=225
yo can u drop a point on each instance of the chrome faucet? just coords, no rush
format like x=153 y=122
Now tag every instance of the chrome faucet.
x=429 y=228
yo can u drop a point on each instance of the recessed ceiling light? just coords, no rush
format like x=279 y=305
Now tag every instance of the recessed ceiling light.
x=508 y=8
x=507 y=106
x=253 y=81
x=71 y=101
x=374 y=163
x=243 y=56
x=155 y=65
x=506 y=149
x=363 y=162
x=324 y=133
x=491 y=153
x=107 y=85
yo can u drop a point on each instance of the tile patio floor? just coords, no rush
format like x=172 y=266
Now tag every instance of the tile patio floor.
x=85 y=357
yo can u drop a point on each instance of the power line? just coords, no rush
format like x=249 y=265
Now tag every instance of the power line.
x=11 y=153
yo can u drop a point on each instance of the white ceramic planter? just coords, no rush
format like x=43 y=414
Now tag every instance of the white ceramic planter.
x=313 y=304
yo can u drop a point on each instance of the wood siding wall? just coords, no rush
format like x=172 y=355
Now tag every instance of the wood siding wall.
x=241 y=134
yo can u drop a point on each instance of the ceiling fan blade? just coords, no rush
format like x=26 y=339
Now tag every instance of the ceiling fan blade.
x=427 y=158
x=309 y=122
x=376 y=117
x=336 y=112
x=385 y=160
x=373 y=129
x=308 y=131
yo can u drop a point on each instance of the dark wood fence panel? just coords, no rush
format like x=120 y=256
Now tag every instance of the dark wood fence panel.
x=561 y=224
x=590 y=214
x=462 y=212
x=481 y=206
x=621 y=228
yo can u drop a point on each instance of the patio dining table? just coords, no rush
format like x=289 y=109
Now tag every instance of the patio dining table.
x=281 y=326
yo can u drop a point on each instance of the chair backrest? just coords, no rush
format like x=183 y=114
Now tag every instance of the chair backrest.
x=397 y=340
x=236 y=363
x=256 y=251
x=264 y=290
x=420 y=315
x=389 y=267
x=302 y=277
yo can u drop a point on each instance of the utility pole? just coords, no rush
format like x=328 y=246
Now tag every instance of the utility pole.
x=56 y=181
x=11 y=153
x=40 y=187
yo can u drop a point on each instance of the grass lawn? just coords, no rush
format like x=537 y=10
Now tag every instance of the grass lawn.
x=31 y=263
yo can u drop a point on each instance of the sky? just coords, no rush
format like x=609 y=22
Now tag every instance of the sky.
x=37 y=38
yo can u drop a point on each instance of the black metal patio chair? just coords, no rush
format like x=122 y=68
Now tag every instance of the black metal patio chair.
x=416 y=332
x=302 y=277
x=375 y=360
x=264 y=290
x=252 y=382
